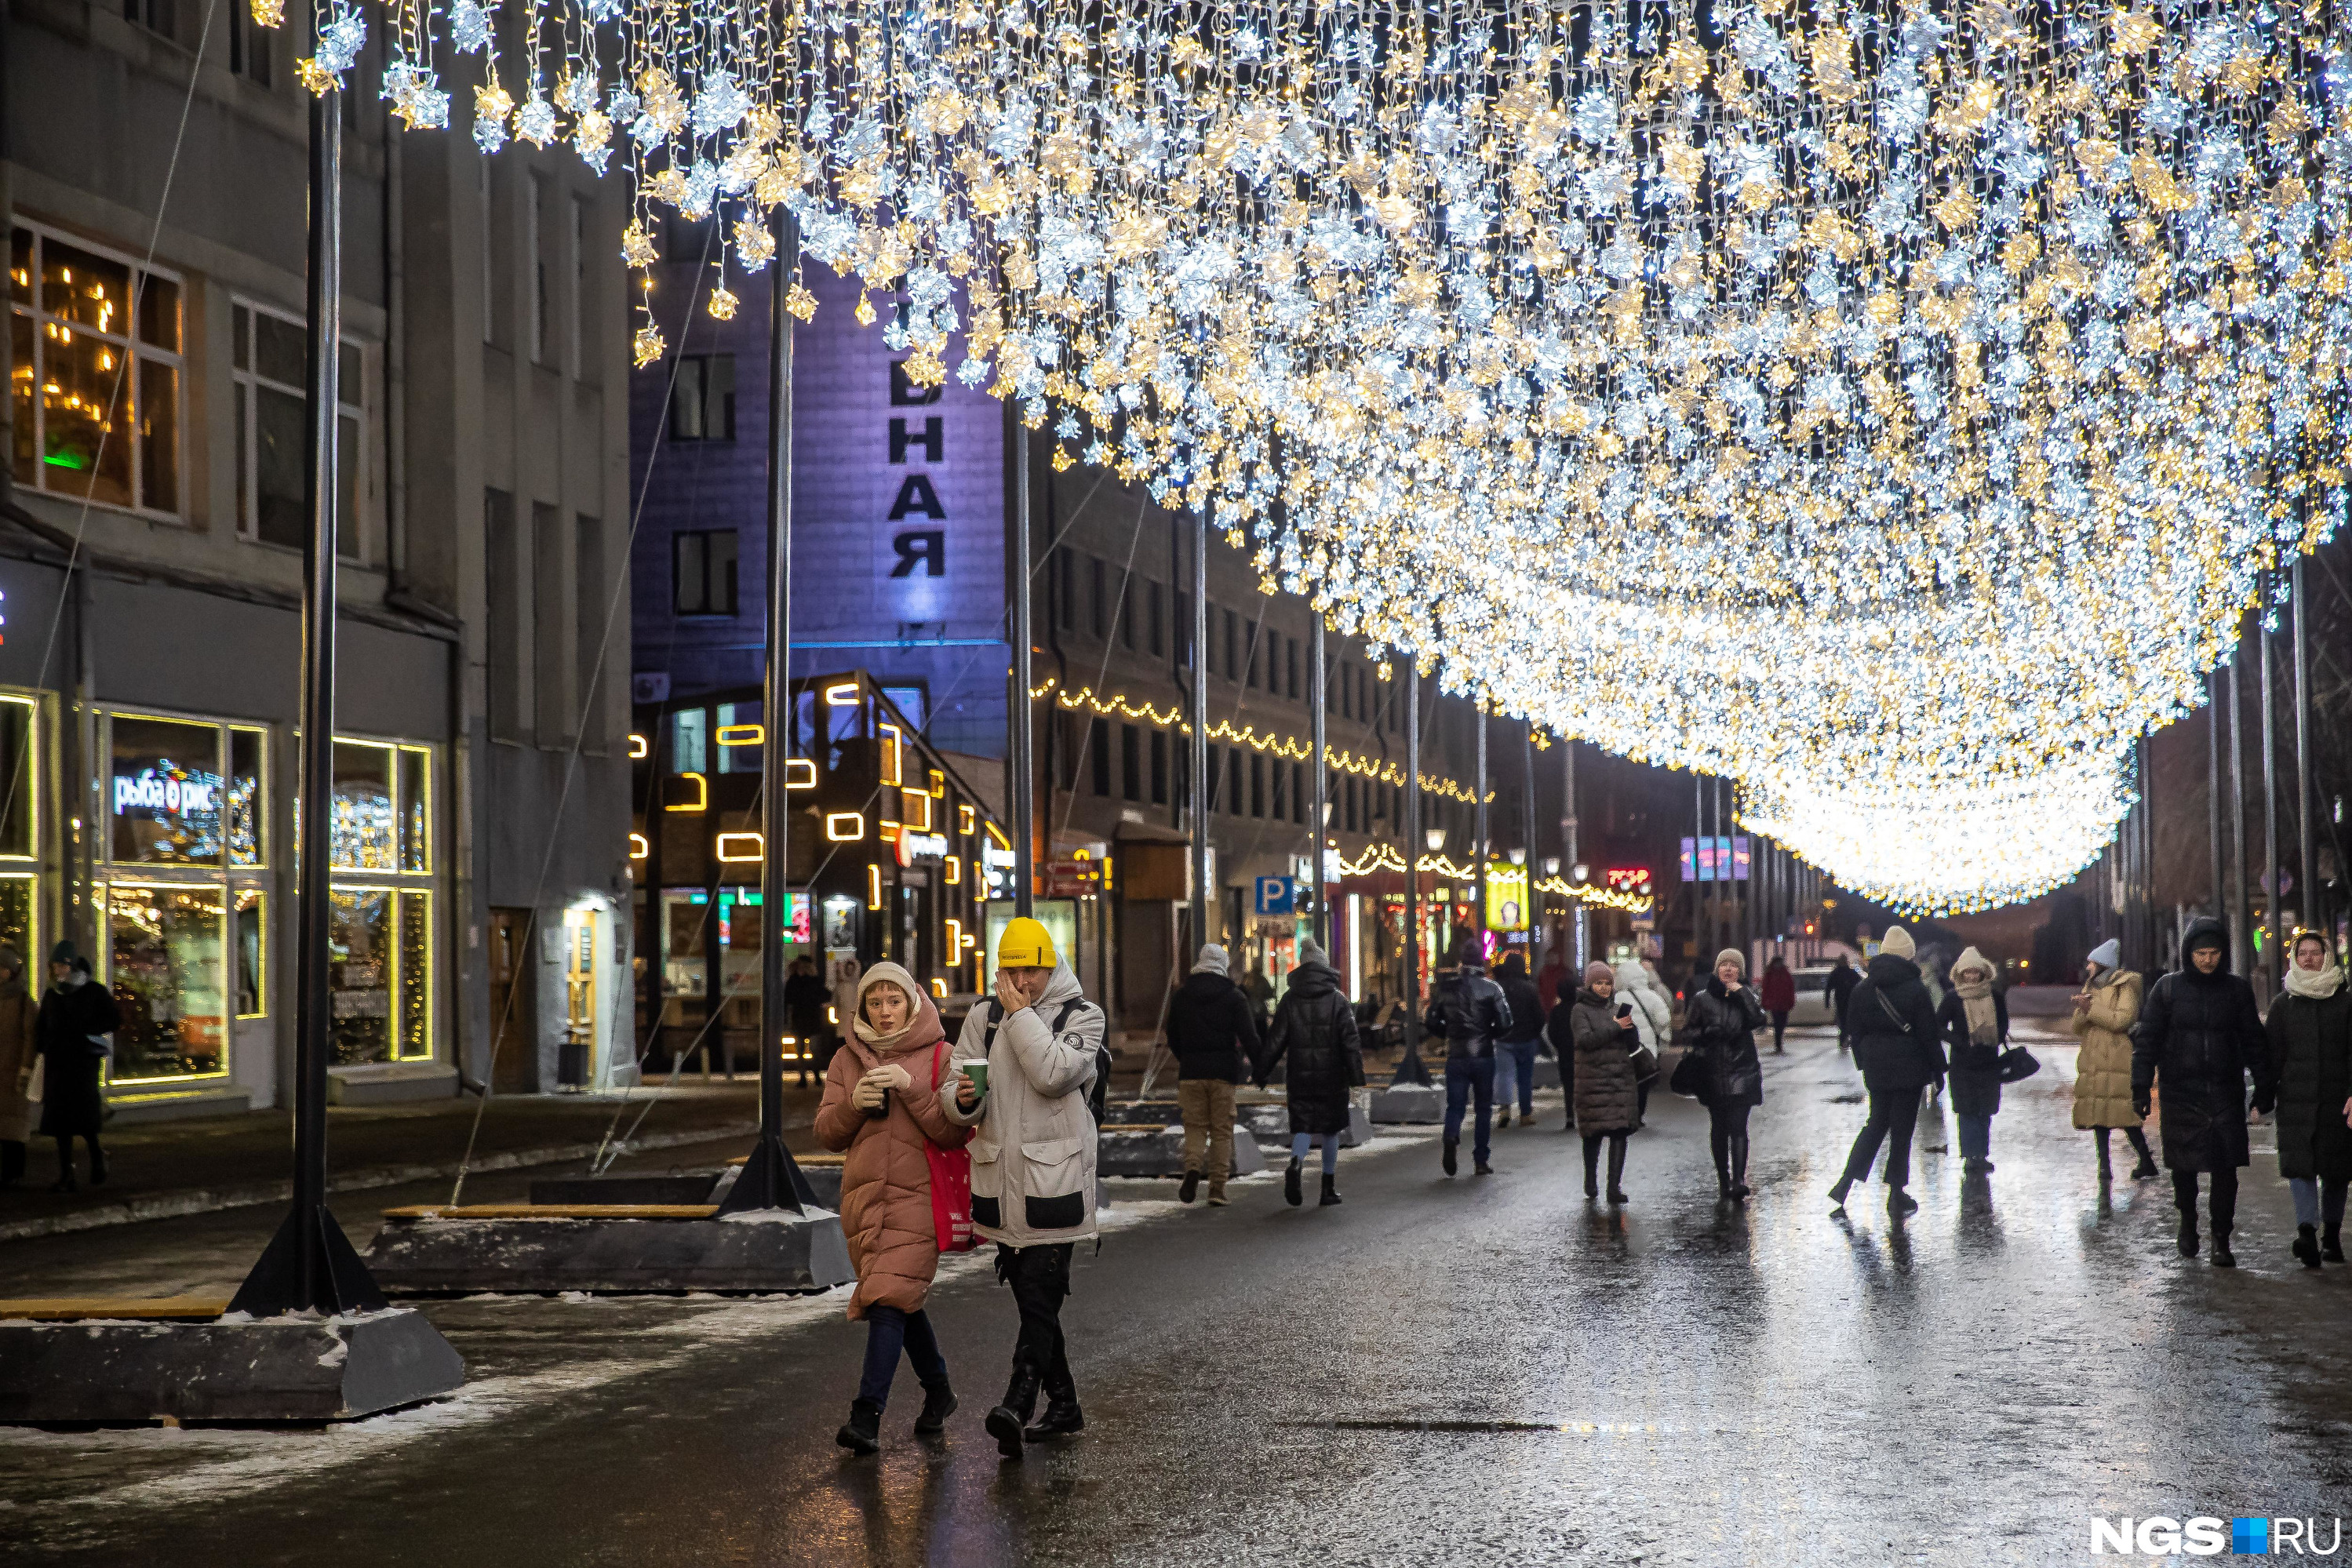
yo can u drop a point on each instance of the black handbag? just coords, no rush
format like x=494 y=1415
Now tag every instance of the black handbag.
x=2018 y=1062
x=1645 y=1063
x=1693 y=1075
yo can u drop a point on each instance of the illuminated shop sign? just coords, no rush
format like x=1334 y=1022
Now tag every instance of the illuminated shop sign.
x=914 y=846
x=176 y=793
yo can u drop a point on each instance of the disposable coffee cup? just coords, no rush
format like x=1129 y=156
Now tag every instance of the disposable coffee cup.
x=977 y=1071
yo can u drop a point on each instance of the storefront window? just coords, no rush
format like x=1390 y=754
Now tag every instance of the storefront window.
x=359 y=965
x=18 y=799
x=166 y=796
x=168 y=971
x=415 y=809
x=684 y=913
x=365 y=832
x=19 y=899
x=245 y=807
x=252 y=994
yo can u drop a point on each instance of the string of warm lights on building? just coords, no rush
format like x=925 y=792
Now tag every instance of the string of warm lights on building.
x=1919 y=396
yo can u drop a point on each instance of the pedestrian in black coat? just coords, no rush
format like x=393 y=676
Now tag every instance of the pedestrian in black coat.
x=1602 y=1038
x=2310 y=1029
x=1316 y=1029
x=1838 y=992
x=1892 y=1022
x=1975 y=1022
x=1470 y=1011
x=78 y=1015
x=1212 y=1032
x=2198 y=1038
x=1723 y=1017
x=1515 y=1052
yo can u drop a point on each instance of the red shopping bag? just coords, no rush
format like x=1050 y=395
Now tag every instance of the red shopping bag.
x=950 y=1181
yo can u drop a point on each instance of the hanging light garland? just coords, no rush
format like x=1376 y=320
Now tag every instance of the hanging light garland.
x=1915 y=393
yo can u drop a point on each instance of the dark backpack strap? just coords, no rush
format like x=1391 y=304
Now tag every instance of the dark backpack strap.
x=1888 y=1009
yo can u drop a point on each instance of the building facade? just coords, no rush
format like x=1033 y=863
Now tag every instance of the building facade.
x=151 y=558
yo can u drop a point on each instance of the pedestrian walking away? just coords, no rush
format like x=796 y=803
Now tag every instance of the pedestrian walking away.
x=1723 y=1017
x=1213 y=1031
x=20 y=1050
x=1892 y=1021
x=806 y=996
x=77 y=1025
x=2198 y=1038
x=1777 y=992
x=2104 y=1010
x=1837 y=989
x=883 y=1107
x=1604 y=1040
x=1314 y=1029
x=1515 y=1052
x=2310 y=1029
x=1469 y=1012
x=1974 y=1022
x=1038 y=1046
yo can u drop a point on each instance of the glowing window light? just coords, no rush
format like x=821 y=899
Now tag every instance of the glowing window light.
x=701 y=801
x=740 y=849
x=742 y=735
x=845 y=827
x=800 y=773
x=841 y=693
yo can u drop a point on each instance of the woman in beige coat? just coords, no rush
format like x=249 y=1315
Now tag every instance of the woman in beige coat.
x=19 y=1046
x=882 y=1104
x=2104 y=1010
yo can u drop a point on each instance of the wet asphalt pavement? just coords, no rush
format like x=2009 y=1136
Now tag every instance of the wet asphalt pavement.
x=1475 y=1371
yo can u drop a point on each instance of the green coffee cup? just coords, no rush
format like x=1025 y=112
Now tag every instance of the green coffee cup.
x=977 y=1071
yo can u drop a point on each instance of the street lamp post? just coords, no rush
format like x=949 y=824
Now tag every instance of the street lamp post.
x=1197 y=759
x=1317 y=825
x=771 y=1178
x=1021 y=716
x=1481 y=849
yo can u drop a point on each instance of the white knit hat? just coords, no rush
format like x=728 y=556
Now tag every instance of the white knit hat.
x=2106 y=954
x=1898 y=942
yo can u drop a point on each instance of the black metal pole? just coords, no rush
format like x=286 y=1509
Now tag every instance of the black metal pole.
x=1412 y=1068
x=1528 y=903
x=1483 y=848
x=1021 y=716
x=770 y=1178
x=309 y=1265
x=1197 y=763
x=2241 y=904
x=2213 y=790
x=1317 y=694
x=2273 y=960
x=2306 y=868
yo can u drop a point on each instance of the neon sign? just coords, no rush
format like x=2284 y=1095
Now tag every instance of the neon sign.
x=152 y=791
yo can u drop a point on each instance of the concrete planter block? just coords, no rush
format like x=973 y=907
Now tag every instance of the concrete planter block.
x=1412 y=1103
x=753 y=1254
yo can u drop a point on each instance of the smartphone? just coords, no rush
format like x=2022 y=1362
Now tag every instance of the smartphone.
x=1624 y=1010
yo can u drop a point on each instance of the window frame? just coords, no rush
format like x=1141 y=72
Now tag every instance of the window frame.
x=734 y=575
x=30 y=308
x=246 y=384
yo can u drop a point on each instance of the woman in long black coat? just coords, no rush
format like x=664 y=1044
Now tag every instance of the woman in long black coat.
x=1315 y=1027
x=1724 y=1016
x=2310 y=1029
x=1608 y=1095
x=2198 y=1038
x=75 y=1009
x=1891 y=1020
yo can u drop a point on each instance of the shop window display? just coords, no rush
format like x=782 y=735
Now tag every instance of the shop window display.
x=167 y=968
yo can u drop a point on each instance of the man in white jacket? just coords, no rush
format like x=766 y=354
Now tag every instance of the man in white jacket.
x=1039 y=1046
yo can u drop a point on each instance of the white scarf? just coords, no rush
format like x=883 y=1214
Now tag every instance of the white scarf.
x=2316 y=984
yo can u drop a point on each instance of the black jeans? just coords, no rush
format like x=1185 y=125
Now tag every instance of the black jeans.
x=1894 y=1116
x=1040 y=1278
x=2222 y=1202
x=889 y=1329
x=1779 y=1026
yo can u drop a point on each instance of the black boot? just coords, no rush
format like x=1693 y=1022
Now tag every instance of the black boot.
x=939 y=1403
x=1063 y=1418
x=12 y=1162
x=1591 y=1167
x=1900 y=1203
x=2106 y=1160
x=2306 y=1245
x=1617 y=1169
x=2147 y=1165
x=1330 y=1190
x=2186 y=1239
x=1721 y=1147
x=2331 y=1243
x=2222 y=1257
x=1740 y=1189
x=1838 y=1189
x=1005 y=1422
x=1291 y=1192
x=862 y=1433
x=1191 y=1186
x=1451 y=1162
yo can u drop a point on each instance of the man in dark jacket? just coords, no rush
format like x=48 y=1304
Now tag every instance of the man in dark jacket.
x=1214 y=1033
x=1316 y=1029
x=1892 y=1020
x=806 y=996
x=2198 y=1038
x=1514 y=1053
x=1470 y=1013
x=1838 y=992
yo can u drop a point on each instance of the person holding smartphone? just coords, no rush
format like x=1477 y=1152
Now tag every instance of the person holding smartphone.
x=1607 y=1104
x=1724 y=1016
